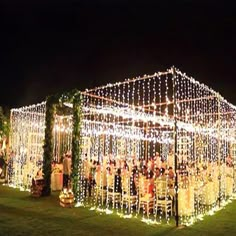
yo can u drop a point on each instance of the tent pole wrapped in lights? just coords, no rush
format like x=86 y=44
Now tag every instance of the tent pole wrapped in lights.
x=162 y=132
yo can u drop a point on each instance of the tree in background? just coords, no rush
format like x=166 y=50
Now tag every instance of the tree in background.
x=4 y=133
x=4 y=123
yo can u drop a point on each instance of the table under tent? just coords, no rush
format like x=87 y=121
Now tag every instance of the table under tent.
x=154 y=146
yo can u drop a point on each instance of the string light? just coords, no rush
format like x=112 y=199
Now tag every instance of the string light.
x=26 y=143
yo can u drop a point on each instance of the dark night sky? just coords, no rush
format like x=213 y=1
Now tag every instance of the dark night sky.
x=48 y=47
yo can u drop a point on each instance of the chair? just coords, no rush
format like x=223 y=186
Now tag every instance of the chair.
x=128 y=196
x=112 y=192
x=100 y=192
x=146 y=200
x=163 y=198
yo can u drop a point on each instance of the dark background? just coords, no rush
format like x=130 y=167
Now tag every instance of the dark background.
x=48 y=47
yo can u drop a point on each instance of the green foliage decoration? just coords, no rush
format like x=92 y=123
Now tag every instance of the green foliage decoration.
x=48 y=143
x=52 y=104
x=4 y=124
x=76 y=144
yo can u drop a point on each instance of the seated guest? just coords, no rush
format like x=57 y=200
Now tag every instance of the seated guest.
x=141 y=163
x=170 y=159
x=109 y=178
x=97 y=174
x=157 y=159
x=229 y=161
x=126 y=167
x=163 y=164
x=157 y=173
x=151 y=164
x=144 y=170
x=149 y=173
x=150 y=182
x=171 y=173
x=162 y=171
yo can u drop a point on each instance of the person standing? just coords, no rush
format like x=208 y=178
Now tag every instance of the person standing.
x=66 y=170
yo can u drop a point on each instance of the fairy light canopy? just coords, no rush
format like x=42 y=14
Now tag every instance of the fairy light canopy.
x=143 y=106
x=168 y=118
x=151 y=103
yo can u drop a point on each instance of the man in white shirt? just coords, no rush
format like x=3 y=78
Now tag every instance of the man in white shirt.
x=66 y=170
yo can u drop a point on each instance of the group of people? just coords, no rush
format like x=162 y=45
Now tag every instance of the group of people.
x=110 y=173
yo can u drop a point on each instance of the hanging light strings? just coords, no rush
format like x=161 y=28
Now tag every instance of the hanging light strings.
x=26 y=143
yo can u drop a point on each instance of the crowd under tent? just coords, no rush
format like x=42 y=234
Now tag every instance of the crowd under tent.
x=156 y=146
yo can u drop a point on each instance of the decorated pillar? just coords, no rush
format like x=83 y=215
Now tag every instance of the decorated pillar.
x=48 y=144
x=76 y=146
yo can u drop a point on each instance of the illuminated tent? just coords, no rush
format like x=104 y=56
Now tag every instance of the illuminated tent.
x=191 y=126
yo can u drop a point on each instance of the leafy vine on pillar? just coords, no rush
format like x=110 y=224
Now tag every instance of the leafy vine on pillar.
x=76 y=143
x=48 y=143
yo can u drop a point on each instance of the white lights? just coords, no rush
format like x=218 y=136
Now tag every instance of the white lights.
x=26 y=143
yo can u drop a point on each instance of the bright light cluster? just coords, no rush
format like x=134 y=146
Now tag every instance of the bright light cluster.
x=26 y=143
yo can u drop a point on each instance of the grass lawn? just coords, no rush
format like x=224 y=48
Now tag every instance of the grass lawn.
x=21 y=214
